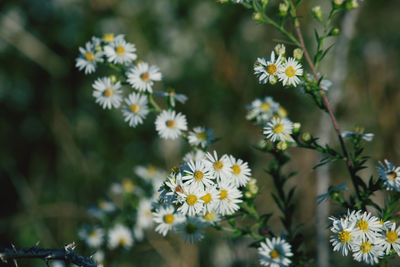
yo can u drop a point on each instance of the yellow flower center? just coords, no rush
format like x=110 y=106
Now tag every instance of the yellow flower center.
x=344 y=236
x=290 y=72
x=223 y=194
x=236 y=169
x=102 y=204
x=209 y=216
x=170 y=123
x=218 y=165
x=89 y=56
x=120 y=50
x=122 y=241
x=391 y=176
x=135 y=108
x=145 y=76
x=366 y=247
x=108 y=92
x=201 y=136
x=206 y=198
x=282 y=112
x=190 y=228
x=198 y=175
x=363 y=225
x=265 y=106
x=169 y=218
x=128 y=186
x=278 y=128
x=108 y=37
x=271 y=69
x=392 y=236
x=93 y=234
x=274 y=254
x=191 y=200
x=151 y=170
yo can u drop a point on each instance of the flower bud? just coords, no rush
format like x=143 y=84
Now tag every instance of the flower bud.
x=334 y=32
x=283 y=9
x=317 y=13
x=298 y=54
x=264 y=2
x=296 y=127
x=113 y=79
x=257 y=16
x=282 y=145
x=352 y=4
x=338 y=2
x=273 y=80
x=306 y=137
x=280 y=49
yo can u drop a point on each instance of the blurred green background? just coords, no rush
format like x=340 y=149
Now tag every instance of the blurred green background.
x=60 y=151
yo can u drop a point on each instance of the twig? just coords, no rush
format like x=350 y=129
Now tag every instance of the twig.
x=66 y=254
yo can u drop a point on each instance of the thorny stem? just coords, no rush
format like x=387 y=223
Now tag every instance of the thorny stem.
x=328 y=107
x=66 y=254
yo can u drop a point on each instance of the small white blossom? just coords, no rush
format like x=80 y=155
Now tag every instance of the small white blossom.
x=143 y=76
x=107 y=93
x=169 y=124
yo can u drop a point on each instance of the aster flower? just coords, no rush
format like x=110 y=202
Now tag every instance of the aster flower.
x=144 y=218
x=201 y=137
x=220 y=167
x=343 y=237
x=210 y=197
x=135 y=109
x=275 y=252
x=107 y=93
x=192 y=229
x=389 y=239
x=279 y=129
x=229 y=198
x=167 y=219
x=88 y=58
x=169 y=124
x=93 y=238
x=240 y=172
x=367 y=251
x=197 y=173
x=120 y=52
x=211 y=217
x=367 y=226
x=120 y=235
x=262 y=110
x=390 y=175
x=190 y=200
x=110 y=37
x=264 y=69
x=289 y=72
x=194 y=155
x=143 y=76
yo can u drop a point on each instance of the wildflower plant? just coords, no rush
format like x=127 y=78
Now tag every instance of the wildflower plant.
x=212 y=189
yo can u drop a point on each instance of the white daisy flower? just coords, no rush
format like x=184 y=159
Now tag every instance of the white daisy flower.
x=135 y=109
x=275 y=252
x=120 y=52
x=390 y=175
x=262 y=110
x=194 y=155
x=389 y=239
x=94 y=238
x=197 y=173
x=229 y=197
x=120 y=236
x=343 y=237
x=88 y=58
x=167 y=219
x=240 y=172
x=264 y=69
x=201 y=136
x=210 y=198
x=110 y=37
x=192 y=229
x=367 y=226
x=144 y=218
x=367 y=251
x=169 y=124
x=190 y=200
x=279 y=129
x=221 y=167
x=289 y=72
x=107 y=94
x=143 y=76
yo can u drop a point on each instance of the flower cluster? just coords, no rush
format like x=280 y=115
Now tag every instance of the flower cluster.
x=273 y=117
x=278 y=67
x=198 y=193
x=367 y=237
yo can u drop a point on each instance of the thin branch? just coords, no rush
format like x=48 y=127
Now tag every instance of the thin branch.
x=66 y=254
x=328 y=107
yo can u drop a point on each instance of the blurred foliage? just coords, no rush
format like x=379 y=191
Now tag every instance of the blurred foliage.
x=60 y=151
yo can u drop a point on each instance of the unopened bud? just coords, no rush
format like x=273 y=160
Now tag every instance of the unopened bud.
x=282 y=145
x=338 y=2
x=283 y=9
x=257 y=17
x=352 y=4
x=306 y=137
x=317 y=13
x=280 y=49
x=113 y=78
x=334 y=32
x=296 y=127
x=273 y=80
x=298 y=54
